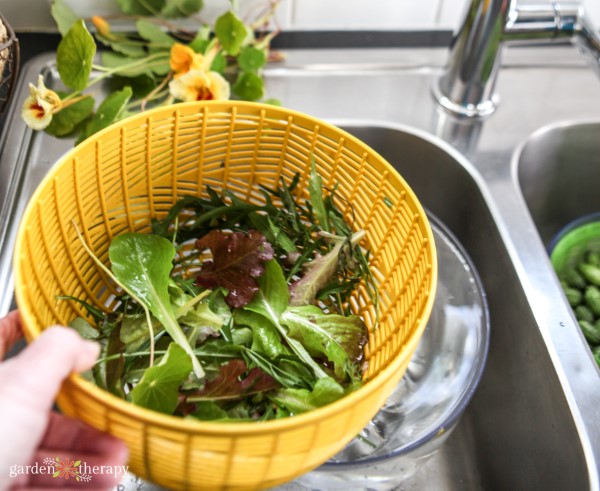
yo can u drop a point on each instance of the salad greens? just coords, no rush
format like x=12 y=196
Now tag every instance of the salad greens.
x=232 y=311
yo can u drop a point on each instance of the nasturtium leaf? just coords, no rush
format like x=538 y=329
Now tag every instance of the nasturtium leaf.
x=68 y=118
x=219 y=63
x=142 y=264
x=128 y=67
x=74 y=56
x=251 y=59
x=201 y=40
x=297 y=401
x=121 y=44
x=249 y=86
x=231 y=32
x=340 y=338
x=63 y=16
x=153 y=33
x=159 y=387
x=141 y=7
x=110 y=110
x=237 y=261
x=181 y=8
x=233 y=382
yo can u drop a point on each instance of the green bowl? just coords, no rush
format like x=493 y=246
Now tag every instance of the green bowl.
x=573 y=241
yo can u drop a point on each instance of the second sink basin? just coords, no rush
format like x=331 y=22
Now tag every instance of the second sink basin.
x=559 y=174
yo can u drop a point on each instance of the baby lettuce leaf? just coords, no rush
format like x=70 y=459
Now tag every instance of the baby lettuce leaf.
x=296 y=401
x=159 y=387
x=229 y=384
x=265 y=337
x=340 y=338
x=271 y=301
x=142 y=264
x=317 y=274
x=237 y=260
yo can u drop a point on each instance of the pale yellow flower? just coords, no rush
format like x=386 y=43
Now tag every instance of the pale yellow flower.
x=199 y=85
x=183 y=59
x=39 y=107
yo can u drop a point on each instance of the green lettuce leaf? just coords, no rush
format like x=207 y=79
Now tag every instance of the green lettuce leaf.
x=298 y=401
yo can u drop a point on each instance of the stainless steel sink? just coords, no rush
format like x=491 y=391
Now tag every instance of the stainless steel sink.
x=559 y=174
x=533 y=422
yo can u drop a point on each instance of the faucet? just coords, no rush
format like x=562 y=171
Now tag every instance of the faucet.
x=466 y=88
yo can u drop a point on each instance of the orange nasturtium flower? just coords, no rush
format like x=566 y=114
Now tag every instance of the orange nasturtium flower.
x=183 y=59
x=41 y=104
x=102 y=27
x=199 y=85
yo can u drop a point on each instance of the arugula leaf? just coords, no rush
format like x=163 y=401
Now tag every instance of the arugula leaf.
x=297 y=401
x=231 y=32
x=74 y=56
x=159 y=387
x=238 y=259
x=142 y=263
x=315 y=189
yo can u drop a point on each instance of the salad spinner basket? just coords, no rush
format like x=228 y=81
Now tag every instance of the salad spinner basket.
x=118 y=180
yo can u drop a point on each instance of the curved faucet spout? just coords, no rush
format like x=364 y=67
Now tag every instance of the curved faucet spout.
x=467 y=86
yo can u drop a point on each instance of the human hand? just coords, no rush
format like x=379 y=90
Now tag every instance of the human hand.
x=29 y=431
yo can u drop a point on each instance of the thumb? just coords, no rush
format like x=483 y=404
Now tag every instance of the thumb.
x=38 y=371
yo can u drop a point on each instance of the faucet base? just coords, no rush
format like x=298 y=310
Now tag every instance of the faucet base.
x=480 y=110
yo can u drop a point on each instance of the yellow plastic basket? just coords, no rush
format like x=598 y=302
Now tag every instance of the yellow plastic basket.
x=135 y=170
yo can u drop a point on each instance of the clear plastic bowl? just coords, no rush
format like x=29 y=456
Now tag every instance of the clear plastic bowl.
x=439 y=383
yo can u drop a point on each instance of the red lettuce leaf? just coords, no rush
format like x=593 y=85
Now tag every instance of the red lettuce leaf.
x=237 y=260
x=228 y=384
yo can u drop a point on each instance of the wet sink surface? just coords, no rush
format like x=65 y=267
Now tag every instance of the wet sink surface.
x=533 y=422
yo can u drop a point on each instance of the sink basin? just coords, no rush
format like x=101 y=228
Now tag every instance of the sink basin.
x=559 y=174
x=517 y=432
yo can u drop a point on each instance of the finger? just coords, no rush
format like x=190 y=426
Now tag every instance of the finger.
x=10 y=332
x=29 y=383
x=35 y=375
x=102 y=458
x=64 y=433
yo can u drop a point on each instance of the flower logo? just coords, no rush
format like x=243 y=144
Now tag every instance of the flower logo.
x=68 y=468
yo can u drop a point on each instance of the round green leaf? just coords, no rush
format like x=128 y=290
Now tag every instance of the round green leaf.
x=249 y=86
x=251 y=59
x=74 y=56
x=231 y=32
